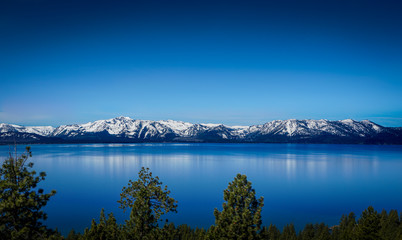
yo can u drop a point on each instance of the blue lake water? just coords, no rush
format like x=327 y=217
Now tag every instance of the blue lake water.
x=301 y=183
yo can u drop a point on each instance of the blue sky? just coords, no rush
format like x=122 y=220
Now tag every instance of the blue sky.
x=232 y=62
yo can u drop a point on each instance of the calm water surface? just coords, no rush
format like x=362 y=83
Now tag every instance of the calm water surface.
x=301 y=183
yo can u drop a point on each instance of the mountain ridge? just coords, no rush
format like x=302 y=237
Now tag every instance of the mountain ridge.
x=124 y=129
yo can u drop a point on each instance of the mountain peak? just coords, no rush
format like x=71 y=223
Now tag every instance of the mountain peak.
x=348 y=121
x=125 y=129
x=121 y=118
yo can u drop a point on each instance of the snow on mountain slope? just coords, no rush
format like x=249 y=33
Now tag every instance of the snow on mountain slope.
x=139 y=128
x=176 y=126
x=125 y=128
x=295 y=127
x=40 y=130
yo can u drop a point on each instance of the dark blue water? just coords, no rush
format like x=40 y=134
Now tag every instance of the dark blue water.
x=301 y=183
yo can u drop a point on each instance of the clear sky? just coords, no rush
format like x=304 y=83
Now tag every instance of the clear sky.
x=231 y=62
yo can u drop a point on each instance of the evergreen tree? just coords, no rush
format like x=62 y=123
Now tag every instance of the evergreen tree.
x=400 y=227
x=21 y=202
x=92 y=233
x=346 y=228
x=273 y=232
x=399 y=236
x=185 y=232
x=368 y=226
x=101 y=228
x=289 y=232
x=308 y=232
x=321 y=232
x=107 y=229
x=113 y=231
x=270 y=233
x=210 y=233
x=200 y=233
x=72 y=235
x=55 y=236
x=389 y=225
x=169 y=232
x=148 y=202
x=241 y=214
x=263 y=233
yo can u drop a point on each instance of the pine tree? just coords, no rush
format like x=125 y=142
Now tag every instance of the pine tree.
x=289 y=232
x=92 y=233
x=263 y=233
x=113 y=231
x=148 y=202
x=308 y=232
x=400 y=227
x=346 y=228
x=321 y=232
x=106 y=229
x=273 y=232
x=368 y=226
x=200 y=233
x=211 y=233
x=72 y=235
x=169 y=232
x=270 y=233
x=185 y=232
x=21 y=202
x=389 y=225
x=101 y=228
x=241 y=214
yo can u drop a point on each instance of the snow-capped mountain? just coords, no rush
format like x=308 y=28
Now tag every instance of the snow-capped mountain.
x=295 y=127
x=125 y=129
x=10 y=133
x=40 y=130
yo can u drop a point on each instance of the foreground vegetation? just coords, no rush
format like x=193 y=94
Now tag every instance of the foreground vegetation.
x=21 y=213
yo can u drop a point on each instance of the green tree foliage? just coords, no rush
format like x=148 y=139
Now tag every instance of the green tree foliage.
x=321 y=232
x=113 y=231
x=289 y=232
x=72 y=235
x=389 y=225
x=148 y=201
x=346 y=228
x=308 y=232
x=368 y=227
x=21 y=202
x=185 y=232
x=400 y=227
x=170 y=232
x=106 y=229
x=241 y=214
x=200 y=233
x=270 y=233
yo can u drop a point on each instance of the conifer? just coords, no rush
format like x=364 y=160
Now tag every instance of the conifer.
x=346 y=228
x=389 y=225
x=21 y=202
x=148 y=202
x=289 y=232
x=241 y=214
x=368 y=226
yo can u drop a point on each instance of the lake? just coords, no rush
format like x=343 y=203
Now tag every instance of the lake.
x=300 y=183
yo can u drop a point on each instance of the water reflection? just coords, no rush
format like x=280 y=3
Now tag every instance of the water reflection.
x=301 y=183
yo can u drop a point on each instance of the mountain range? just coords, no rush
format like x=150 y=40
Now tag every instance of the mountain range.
x=125 y=129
